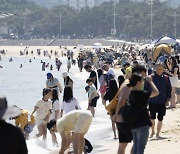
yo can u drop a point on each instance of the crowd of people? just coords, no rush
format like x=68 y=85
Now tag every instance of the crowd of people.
x=141 y=94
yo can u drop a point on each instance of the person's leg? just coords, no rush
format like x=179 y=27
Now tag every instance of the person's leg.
x=142 y=138
x=122 y=147
x=135 y=141
x=44 y=131
x=173 y=98
x=81 y=143
x=152 y=127
x=40 y=129
x=64 y=143
x=75 y=140
x=91 y=108
x=53 y=136
x=113 y=127
x=159 y=127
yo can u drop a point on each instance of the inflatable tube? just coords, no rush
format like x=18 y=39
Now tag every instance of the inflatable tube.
x=161 y=48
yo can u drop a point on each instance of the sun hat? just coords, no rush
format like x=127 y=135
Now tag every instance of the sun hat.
x=6 y=111
x=49 y=75
x=64 y=74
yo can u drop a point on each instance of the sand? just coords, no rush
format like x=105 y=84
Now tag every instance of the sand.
x=169 y=144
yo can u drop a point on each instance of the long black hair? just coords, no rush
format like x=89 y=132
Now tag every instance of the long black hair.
x=99 y=72
x=54 y=95
x=68 y=94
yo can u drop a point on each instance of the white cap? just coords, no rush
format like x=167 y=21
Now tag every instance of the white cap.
x=64 y=74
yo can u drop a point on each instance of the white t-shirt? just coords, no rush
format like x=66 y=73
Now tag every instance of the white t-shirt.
x=69 y=106
x=43 y=109
x=110 y=71
x=55 y=107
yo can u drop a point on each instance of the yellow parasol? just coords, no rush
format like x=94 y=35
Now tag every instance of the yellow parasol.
x=161 y=48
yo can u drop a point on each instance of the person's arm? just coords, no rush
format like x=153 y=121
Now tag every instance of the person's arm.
x=155 y=91
x=59 y=86
x=47 y=84
x=47 y=117
x=168 y=88
x=35 y=109
x=56 y=115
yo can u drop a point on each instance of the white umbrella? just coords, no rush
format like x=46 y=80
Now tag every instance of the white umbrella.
x=166 y=40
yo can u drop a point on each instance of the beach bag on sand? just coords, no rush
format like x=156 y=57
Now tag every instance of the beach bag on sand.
x=88 y=147
x=111 y=107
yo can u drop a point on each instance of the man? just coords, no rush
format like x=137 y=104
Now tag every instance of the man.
x=78 y=122
x=110 y=72
x=53 y=83
x=125 y=134
x=158 y=104
x=12 y=139
x=92 y=75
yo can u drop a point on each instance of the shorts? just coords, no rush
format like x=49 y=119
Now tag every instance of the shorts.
x=160 y=109
x=94 y=101
x=177 y=91
x=39 y=122
x=125 y=134
x=83 y=123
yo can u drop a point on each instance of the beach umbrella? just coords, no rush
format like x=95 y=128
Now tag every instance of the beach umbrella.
x=166 y=40
x=163 y=48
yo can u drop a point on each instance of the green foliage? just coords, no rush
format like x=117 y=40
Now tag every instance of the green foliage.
x=133 y=20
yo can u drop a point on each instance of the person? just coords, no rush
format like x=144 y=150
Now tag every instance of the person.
x=69 y=64
x=80 y=60
x=69 y=102
x=53 y=83
x=92 y=75
x=43 y=110
x=102 y=82
x=110 y=73
x=43 y=66
x=124 y=131
x=158 y=103
x=68 y=82
x=138 y=100
x=78 y=122
x=92 y=96
x=12 y=139
x=173 y=73
x=25 y=124
x=55 y=114
x=109 y=95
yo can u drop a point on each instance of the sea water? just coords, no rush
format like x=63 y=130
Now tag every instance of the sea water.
x=23 y=87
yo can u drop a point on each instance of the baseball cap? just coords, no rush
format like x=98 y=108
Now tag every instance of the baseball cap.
x=49 y=75
x=6 y=111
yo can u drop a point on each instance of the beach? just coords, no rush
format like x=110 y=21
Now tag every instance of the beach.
x=23 y=87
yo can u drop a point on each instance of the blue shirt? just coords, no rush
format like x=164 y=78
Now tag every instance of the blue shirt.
x=163 y=85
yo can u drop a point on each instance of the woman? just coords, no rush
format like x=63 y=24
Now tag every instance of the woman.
x=102 y=82
x=68 y=82
x=43 y=109
x=69 y=102
x=53 y=83
x=55 y=114
x=173 y=73
x=93 y=96
x=138 y=100
x=109 y=95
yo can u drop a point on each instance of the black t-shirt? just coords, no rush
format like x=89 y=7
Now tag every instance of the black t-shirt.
x=139 y=100
x=11 y=139
x=109 y=95
x=92 y=75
